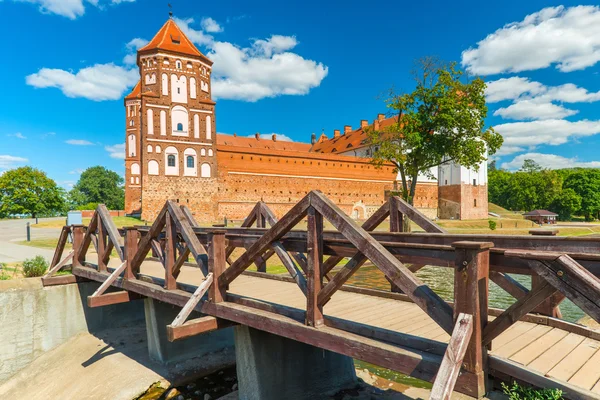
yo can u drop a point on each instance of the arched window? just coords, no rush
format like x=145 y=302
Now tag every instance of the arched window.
x=163 y=122
x=179 y=89
x=135 y=169
x=193 y=88
x=196 y=126
x=210 y=152
x=150 y=122
x=149 y=148
x=205 y=170
x=165 y=85
x=190 y=162
x=178 y=64
x=171 y=160
x=131 y=145
x=202 y=152
x=179 y=121
x=152 y=167
x=208 y=127
x=157 y=149
x=131 y=123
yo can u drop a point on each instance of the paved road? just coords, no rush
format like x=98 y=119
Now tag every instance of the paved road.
x=14 y=230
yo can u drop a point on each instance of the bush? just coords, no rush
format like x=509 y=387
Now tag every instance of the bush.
x=36 y=266
x=3 y=275
x=492 y=224
x=88 y=206
x=518 y=392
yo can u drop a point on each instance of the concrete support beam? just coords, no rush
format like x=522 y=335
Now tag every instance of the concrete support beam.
x=159 y=315
x=271 y=367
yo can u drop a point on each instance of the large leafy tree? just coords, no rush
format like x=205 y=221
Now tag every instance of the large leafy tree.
x=586 y=184
x=442 y=120
x=99 y=185
x=27 y=190
x=566 y=204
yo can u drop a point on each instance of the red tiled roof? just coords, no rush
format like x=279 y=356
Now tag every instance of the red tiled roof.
x=135 y=93
x=261 y=143
x=349 y=141
x=171 y=38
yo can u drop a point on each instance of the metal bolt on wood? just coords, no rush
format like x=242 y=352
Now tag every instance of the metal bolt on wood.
x=560 y=273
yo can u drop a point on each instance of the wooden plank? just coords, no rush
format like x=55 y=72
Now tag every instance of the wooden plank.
x=108 y=282
x=512 y=333
x=194 y=300
x=521 y=307
x=158 y=250
x=170 y=252
x=217 y=265
x=61 y=280
x=101 y=244
x=286 y=223
x=190 y=238
x=196 y=326
x=181 y=259
x=520 y=342
x=396 y=218
x=553 y=355
x=511 y=370
x=111 y=229
x=533 y=350
x=511 y=286
x=84 y=244
x=418 y=217
x=60 y=265
x=188 y=214
x=111 y=298
x=422 y=295
x=145 y=243
x=453 y=358
x=314 y=277
x=589 y=373
x=131 y=246
x=60 y=246
x=289 y=264
x=568 y=366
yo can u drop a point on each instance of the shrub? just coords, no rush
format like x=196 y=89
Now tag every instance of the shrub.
x=88 y=206
x=3 y=275
x=36 y=266
x=518 y=392
x=492 y=224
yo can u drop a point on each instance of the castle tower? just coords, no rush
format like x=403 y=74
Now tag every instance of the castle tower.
x=171 y=134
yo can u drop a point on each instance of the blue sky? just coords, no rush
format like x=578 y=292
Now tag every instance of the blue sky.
x=294 y=68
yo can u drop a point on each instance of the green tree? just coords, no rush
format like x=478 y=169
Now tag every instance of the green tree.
x=28 y=190
x=586 y=183
x=565 y=204
x=498 y=183
x=99 y=185
x=441 y=120
x=531 y=166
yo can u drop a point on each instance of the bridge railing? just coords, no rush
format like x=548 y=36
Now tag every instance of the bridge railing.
x=562 y=268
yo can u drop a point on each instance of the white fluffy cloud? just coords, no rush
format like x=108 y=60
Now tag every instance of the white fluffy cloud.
x=132 y=47
x=7 y=161
x=264 y=70
x=518 y=87
x=528 y=109
x=195 y=35
x=79 y=142
x=520 y=135
x=551 y=161
x=116 y=151
x=18 y=135
x=210 y=25
x=69 y=8
x=568 y=38
x=99 y=82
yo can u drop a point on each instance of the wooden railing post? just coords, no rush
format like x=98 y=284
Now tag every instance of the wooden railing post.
x=314 y=268
x=216 y=264
x=471 y=282
x=102 y=245
x=550 y=306
x=261 y=222
x=396 y=225
x=170 y=252
x=131 y=247
x=78 y=233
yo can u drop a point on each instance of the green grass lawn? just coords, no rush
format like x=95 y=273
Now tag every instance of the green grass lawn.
x=42 y=243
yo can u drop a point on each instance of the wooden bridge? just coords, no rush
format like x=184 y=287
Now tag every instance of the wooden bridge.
x=462 y=345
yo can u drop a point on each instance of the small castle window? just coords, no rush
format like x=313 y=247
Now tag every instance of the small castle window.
x=131 y=123
x=190 y=161
x=474 y=182
x=178 y=64
x=474 y=202
x=171 y=160
x=179 y=125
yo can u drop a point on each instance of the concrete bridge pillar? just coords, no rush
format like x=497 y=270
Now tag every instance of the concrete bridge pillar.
x=159 y=315
x=271 y=367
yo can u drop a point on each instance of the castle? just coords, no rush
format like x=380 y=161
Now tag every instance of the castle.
x=173 y=151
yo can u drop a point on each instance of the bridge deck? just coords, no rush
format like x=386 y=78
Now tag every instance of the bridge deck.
x=549 y=355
